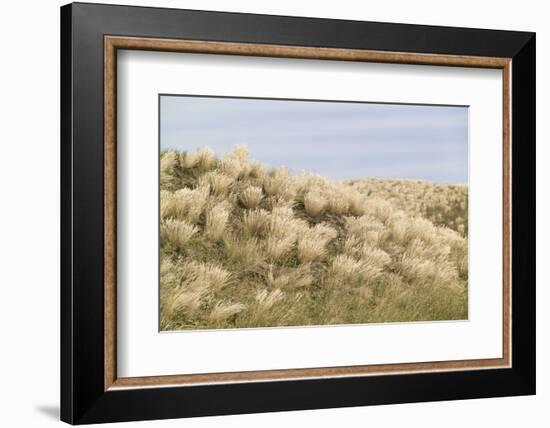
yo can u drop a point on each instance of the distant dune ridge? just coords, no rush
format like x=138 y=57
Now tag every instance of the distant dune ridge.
x=245 y=245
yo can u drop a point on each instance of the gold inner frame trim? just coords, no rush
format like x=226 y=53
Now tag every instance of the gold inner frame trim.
x=113 y=43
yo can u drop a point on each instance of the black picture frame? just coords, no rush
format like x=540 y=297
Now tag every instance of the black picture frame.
x=83 y=398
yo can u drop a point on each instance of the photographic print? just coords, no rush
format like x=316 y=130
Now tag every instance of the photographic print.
x=295 y=199
x=283 y=212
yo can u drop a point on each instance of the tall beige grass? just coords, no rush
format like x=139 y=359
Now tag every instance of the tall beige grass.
x=222 y=311
x=251 y=197
x=246 y=245
x=314 y=203
x=177 y=232
x=216 y=220
x=218 y=182
x=313 y=240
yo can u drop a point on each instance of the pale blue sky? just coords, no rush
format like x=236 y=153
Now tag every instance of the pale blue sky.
x=339 y=140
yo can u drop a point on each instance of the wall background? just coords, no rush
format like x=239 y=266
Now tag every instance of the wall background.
x=29 y=213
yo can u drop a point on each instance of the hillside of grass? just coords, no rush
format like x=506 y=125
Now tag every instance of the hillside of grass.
x=246 y=245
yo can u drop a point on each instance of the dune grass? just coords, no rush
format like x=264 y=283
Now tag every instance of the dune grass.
x=245 y=245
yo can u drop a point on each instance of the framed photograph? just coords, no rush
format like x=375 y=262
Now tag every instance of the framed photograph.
x=266 y=213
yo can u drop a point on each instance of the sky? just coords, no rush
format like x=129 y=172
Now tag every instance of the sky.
x=340 y=140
